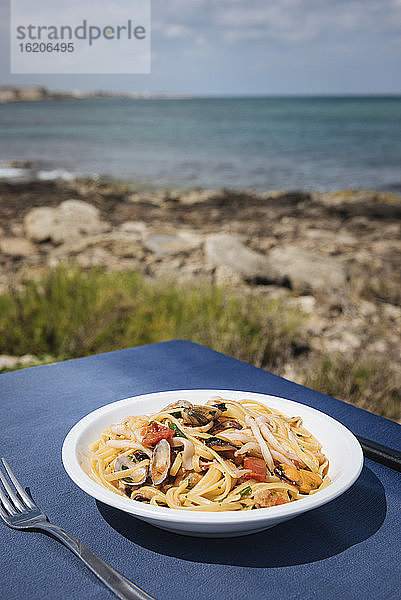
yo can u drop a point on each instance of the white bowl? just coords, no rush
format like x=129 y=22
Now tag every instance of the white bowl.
x=339 y=445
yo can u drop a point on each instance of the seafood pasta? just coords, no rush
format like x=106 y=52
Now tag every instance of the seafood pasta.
x=224 y=455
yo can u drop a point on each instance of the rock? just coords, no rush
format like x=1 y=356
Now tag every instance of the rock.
x=283 y=197
x=166 y=269
x=391 y=311
x=345 y=343
x=195 y=196
x=123 y=244
x=351 y=203
x=394 y=229
x=39 y=223
x=307 y=271
x=227 y=250
x=118 y=243
x=75 y=245
x=137 y=227
x=345 y=238
x=307 y=304
x=78 y=218
x=19 y=247
x=96 y=257
x=194 y=273
x=17 y=229
x=162 y=244
x=366 y=308
x=73 y=218
x=340 y=237
x=223 y=275
x=379 y=347
x=315 y=325
x=19 y=164
x=155 y=198
x=10 y=362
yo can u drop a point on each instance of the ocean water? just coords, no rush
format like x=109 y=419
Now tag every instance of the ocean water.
x=260 y=143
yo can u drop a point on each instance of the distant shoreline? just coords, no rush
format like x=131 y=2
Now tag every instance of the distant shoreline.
x=11 y=94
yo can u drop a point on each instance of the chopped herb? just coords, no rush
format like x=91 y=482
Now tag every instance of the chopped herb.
x=138 y=456
x=246 y=491
x=273 y=493
x=178 y=431
x=127 y=479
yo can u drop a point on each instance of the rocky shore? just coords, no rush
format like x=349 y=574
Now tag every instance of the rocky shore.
x=335 y=256
x=36 y=93
x=32 y=94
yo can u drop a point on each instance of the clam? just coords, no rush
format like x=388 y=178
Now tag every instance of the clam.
x=200 y=415
x=194 y=415
x=220 y=405
x=219 y=445
x=160 y=463
x=177 y=407
x=140 y=498
x=227 y=424
x=128 y=462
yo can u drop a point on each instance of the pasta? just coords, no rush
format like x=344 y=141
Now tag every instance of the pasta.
x=224 y=455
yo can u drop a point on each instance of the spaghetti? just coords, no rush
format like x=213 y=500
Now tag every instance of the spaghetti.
x=224 y=455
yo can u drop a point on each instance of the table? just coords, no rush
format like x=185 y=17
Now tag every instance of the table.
x=349 y=548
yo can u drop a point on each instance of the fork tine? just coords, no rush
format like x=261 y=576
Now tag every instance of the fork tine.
x=3 y=514
x=7 y=504
x=18 y=487
x=11 y=494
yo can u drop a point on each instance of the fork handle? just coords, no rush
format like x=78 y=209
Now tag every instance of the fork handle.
x=117 y=583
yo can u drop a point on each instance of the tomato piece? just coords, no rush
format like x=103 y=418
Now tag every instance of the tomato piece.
x=257 y=466
x=153 y=433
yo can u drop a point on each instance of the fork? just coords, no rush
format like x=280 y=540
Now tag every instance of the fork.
x=19 y=511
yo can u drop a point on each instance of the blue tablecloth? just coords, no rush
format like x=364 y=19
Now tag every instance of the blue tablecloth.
x=347 y=549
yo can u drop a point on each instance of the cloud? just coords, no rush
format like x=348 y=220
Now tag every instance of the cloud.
x=171 y=31
x=291 y=21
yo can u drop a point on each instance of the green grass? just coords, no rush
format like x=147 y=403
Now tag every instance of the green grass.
x=361 y=380
x=70 y=312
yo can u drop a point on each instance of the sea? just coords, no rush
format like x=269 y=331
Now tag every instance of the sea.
x=262 y=143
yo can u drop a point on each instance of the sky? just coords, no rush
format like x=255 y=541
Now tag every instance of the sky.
x=247 y=47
